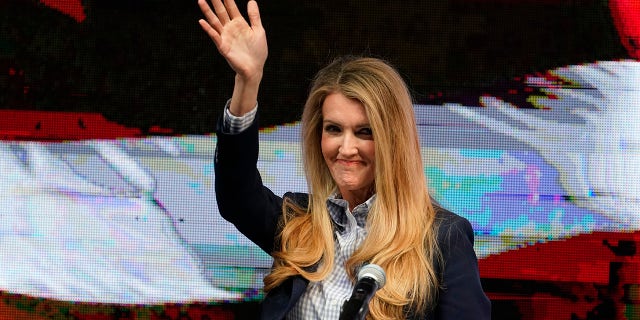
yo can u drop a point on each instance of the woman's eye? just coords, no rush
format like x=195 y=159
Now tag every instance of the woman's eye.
x=366 y=132
x=331 y=128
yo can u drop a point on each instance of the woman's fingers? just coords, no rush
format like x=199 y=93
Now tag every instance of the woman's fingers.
x=254 y=14
x=232 y=9
x=242 y=45
x=213 y=34
x=221 y=11
x=211 y=25
x=225 y=12
x=210 y=17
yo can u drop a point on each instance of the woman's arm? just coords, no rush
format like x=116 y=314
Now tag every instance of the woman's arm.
x=461 y=295
x=243 y=45
x=242 y=198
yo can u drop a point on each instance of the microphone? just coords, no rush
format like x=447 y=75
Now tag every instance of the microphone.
x=370 y=278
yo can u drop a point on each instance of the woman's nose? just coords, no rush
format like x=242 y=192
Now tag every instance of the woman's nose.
x=349 y=145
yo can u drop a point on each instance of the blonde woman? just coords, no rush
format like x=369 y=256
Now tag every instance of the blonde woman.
x=368 y=200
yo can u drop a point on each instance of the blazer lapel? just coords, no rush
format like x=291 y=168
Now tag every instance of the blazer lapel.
x=283 y=298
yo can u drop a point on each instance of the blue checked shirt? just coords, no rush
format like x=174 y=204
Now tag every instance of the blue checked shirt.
x=232 y=124
x=324 y=299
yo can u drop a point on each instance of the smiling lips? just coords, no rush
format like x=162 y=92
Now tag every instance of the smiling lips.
x=349 y=163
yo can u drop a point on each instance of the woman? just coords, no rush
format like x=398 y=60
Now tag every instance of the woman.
x=368 y=201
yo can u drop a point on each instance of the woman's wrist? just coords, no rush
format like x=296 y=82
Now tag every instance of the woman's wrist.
x=245 y=94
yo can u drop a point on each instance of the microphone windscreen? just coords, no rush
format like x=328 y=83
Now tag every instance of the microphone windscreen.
x=374 y=272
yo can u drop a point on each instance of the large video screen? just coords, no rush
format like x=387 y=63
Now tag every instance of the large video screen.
x=528 y=114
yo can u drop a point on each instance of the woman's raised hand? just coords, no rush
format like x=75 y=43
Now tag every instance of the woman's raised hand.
x=243 y=45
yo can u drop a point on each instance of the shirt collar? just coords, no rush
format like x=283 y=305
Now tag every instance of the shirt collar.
x=339 y=210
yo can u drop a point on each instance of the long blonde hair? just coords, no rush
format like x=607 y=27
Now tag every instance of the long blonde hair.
x=401 y=233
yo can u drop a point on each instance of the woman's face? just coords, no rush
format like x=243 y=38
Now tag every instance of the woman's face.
x=347 y=147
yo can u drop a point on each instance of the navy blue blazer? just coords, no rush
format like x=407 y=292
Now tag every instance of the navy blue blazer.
x=255 y=211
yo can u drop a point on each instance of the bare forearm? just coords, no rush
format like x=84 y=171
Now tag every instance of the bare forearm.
x=245 y=94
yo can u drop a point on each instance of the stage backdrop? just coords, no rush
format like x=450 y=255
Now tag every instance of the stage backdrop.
x=528 y=114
